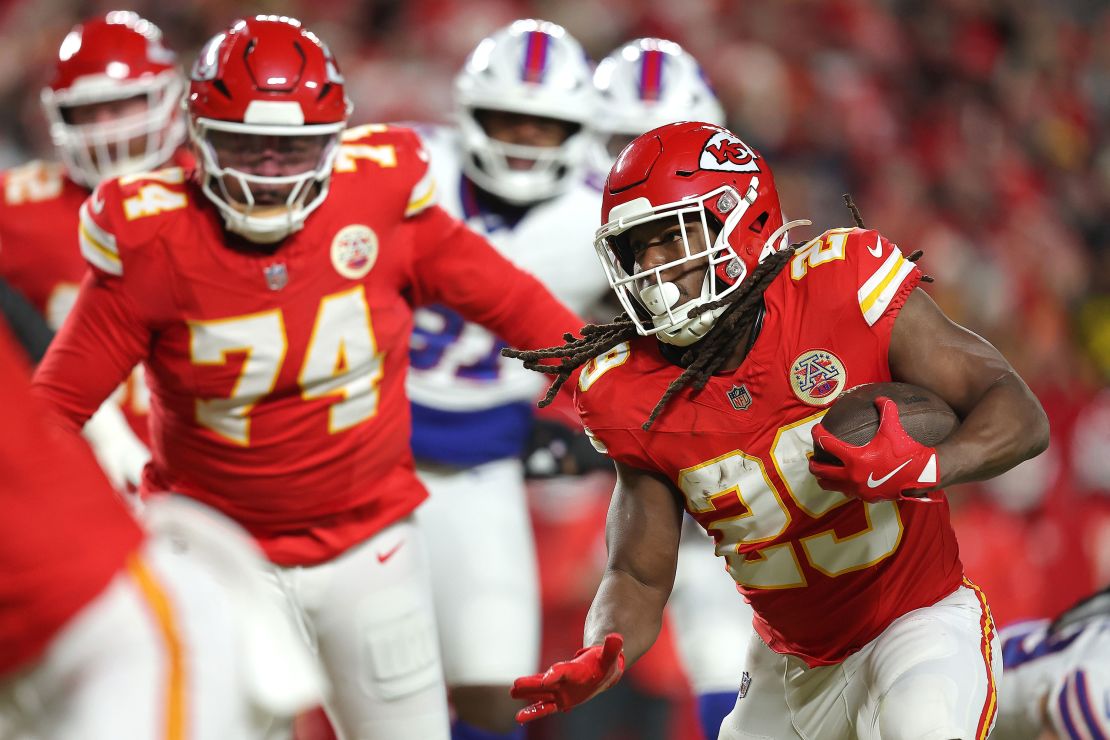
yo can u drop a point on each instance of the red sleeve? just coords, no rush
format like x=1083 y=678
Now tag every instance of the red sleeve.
x=457 y=267
x=100 y=342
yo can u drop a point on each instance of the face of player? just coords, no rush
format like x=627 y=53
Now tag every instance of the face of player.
x=525 y=130
x=269 y=157
x=656 y=243
x=107 y=113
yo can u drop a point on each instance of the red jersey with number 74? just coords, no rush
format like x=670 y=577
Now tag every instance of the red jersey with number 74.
x=277 y=379
x=825 y=573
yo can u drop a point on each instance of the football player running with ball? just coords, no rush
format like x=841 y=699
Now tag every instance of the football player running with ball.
x=867 y=627
x=643 y=84
x=270 y=296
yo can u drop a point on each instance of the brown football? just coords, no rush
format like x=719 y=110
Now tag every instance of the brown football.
x=854 y=418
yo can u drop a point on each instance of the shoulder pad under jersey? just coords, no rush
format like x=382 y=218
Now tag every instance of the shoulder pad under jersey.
x=379 y=147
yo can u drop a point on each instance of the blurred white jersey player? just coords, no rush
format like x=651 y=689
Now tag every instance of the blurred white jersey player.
x=643 y=84
x=1057 y=678
x=513 y=170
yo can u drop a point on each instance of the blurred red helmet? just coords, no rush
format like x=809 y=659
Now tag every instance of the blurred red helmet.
x=266 y=76
x=107 y=59
x=705 y=177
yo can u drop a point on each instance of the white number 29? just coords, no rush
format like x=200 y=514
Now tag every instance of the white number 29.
x=721 y=483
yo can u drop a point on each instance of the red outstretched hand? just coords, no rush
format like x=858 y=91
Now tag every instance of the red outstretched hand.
x=571 y=682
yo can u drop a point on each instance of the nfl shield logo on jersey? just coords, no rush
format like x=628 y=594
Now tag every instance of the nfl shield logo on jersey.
x=740 y=398
x=817 y=377
x=745 y=684
x=277 y=277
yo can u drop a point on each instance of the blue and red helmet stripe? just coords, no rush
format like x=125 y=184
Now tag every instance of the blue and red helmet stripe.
x=535 y=56
x=651 y=74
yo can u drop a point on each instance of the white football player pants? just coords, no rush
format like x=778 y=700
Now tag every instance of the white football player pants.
x=929 y=676
x=712 y=622
x=158 y=654
x=486 y=579
x=368 y=615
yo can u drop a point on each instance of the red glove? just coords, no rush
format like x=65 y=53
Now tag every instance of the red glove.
x=887 y=467
x=571 y=682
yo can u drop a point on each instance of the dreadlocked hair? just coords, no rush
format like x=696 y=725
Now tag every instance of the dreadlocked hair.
x=912 y=257
x=700 y=362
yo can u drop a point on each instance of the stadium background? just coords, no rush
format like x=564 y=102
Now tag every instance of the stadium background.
x=976 y=130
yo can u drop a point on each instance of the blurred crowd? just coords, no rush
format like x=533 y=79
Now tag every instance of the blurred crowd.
x=975 y=130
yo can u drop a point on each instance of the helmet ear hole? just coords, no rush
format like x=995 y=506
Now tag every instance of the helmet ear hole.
x=759 y=222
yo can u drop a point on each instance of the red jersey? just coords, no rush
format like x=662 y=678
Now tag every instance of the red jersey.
x=38 y=237
x=825 y=573
x=278 y=378
x=63 y=535
x=39 y=254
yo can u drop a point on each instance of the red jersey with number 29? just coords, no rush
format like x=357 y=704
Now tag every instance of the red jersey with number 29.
x=277 y=378
x=825 y=573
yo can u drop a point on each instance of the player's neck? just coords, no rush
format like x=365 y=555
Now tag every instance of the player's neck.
x=740 y=351
x=488 y=203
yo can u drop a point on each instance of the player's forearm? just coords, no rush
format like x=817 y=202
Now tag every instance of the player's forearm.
x=1005 y=427
x=629 y=606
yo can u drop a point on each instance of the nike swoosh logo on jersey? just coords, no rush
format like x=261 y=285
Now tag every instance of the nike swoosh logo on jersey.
x=872 y=483
x=96 y=202
x=383 y=556
x=877 y=250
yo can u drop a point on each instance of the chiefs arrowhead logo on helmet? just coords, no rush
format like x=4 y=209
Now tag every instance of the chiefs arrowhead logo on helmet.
x=727 y=153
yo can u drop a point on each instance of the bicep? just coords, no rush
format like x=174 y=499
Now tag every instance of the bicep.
x=100 y=342
x=930 y=350
x=643 y=526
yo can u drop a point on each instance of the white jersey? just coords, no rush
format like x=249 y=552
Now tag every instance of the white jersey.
x=1058 y=676
x=470 y=405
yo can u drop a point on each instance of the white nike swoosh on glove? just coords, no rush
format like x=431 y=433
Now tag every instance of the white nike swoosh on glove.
x=872 y=483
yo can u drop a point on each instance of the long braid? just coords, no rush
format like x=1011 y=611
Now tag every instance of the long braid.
x=704 y=359
x=597 y=339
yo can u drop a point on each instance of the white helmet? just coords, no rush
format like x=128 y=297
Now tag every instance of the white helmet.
x=645 y=84
x=535 y=68
x=110 y=58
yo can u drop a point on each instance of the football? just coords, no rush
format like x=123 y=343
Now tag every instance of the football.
x=854 y=418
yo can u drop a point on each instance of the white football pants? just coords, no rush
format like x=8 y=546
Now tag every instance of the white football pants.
x=486 y=580
x=368 y=615
x=930 y=675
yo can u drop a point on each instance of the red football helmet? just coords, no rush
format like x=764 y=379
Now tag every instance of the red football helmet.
x=266 y=77
x=108 y=59
x=701 y=175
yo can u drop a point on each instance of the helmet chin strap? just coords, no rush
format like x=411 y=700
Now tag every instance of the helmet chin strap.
x=661 y=297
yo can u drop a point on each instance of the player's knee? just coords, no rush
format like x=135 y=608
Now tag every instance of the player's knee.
x=921 y=707
x=488 y=708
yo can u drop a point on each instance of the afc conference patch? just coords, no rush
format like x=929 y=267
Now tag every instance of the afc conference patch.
x=817 y=377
